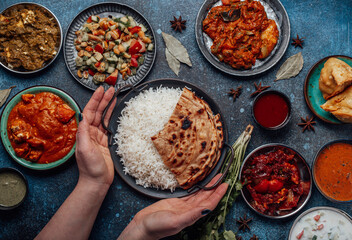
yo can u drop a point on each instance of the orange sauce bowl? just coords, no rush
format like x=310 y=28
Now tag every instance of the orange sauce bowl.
x=332 y=171
x=64 y=156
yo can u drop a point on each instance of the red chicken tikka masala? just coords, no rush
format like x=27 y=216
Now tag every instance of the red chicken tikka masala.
x=241 y=32
x=42 y=128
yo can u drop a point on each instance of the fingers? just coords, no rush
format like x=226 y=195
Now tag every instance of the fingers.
x=92 y=105
x=102 y=105
x=202 y=194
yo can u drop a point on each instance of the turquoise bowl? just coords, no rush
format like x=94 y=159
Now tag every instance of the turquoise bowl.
x=12 y=103
x=314 y=97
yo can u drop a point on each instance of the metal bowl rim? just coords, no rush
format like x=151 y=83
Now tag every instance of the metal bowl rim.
x=343 y=213
x=11 y=169
x=59 y=48
x=304 y=161
x=313 y=167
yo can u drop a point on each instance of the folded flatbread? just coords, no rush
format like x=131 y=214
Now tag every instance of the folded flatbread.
x=340 y=106
x=335 y=77
x=190 y=142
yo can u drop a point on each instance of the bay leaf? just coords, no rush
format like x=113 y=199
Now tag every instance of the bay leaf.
x=174 y=64
x=291 y=67
x=176 y=48
x=4 y=94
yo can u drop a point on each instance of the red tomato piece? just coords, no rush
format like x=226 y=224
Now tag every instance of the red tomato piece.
x=320 y=227
x=317 y=217
x=135 y=47
x=91 y=72
x=134 y=62
x=262 y=187
x=134 y=30
x=99 y=48
x=299 y=236
x=275 y=185
x=111 y=80
x=97 y=64
x=89 y=20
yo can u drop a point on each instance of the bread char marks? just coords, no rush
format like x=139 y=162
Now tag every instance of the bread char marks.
x=189 y=142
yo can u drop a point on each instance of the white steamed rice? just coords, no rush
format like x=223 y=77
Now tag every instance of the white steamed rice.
x=143 y=117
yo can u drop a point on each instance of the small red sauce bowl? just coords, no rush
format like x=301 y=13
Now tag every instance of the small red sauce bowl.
x=271 y=110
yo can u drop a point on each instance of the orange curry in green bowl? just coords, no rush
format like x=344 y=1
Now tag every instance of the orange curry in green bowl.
x=41 y=124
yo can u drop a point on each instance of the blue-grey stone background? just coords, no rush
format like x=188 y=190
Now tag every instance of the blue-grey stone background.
x=326 y=26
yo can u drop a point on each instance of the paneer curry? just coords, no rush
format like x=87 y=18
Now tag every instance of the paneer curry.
x=241 y=32
x=29 y=37
x=42 y=128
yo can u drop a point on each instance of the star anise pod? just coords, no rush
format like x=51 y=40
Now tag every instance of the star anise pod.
x=259 y=88
x=243 y=221
x=297 y=42
x=178 y=24
x=307 y=124
x=235 y=93
x=254 y=237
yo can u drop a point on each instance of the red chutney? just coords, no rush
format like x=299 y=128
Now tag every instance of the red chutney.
x=333 y=171
x=274 y=182
x=271 y=110
x=41 y=128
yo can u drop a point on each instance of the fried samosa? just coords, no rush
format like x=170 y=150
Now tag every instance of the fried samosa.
x=340 y=106
x=335 y=77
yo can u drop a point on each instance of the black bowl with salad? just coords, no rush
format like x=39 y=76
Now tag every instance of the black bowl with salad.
x=114 y=46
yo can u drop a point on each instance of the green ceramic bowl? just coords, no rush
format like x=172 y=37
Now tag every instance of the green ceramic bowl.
x=314 y=97
x=12 y=103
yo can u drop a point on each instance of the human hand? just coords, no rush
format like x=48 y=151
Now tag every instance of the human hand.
x=169 y=216
x=92 y=154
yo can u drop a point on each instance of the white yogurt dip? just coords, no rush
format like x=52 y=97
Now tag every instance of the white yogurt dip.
x=322 y=223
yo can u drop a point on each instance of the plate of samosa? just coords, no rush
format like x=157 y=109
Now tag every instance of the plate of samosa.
x=328 y=89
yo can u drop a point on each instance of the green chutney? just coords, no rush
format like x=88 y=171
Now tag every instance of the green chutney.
x=12 y=189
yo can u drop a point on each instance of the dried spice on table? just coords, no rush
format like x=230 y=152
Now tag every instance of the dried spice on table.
x=4 y=94
x=259 y=88
x=178 y=24
x=291 y=67
x=254 y=237
x=235 y=93
x=307 y=124
x=243 y=221
x=297 y=42
x=175 y=53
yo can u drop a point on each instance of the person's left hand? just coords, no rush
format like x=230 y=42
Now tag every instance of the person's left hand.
x=92 y=154
x=169 y=216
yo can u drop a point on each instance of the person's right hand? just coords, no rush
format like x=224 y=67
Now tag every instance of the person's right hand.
x=169 y=216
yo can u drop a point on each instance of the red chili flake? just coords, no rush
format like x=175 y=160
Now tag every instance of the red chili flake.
x=317 y=217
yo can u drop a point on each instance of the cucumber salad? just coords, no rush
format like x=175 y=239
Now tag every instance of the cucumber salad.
x=109 y=46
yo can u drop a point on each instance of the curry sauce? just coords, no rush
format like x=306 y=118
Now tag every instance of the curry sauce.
x=29 y=37
x=42 y=128
x=241 y=32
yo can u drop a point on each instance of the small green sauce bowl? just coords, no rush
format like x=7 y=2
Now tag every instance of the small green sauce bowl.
x=12 y=103
x=22 y=177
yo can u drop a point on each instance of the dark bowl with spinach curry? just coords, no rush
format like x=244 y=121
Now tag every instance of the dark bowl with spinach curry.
x=13 y=188
x=30 y=38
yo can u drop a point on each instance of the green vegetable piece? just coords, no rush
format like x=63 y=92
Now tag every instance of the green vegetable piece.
x=315 y=237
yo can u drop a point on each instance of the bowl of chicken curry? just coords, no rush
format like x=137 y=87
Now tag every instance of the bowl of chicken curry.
x=38 y=127
x=30 y=38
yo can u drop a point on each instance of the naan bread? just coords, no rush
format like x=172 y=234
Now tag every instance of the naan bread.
x=335 y=76
x=340 y=106
x=190 y=142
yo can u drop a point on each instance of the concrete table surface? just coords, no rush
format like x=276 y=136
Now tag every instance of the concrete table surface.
x=326 y=26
